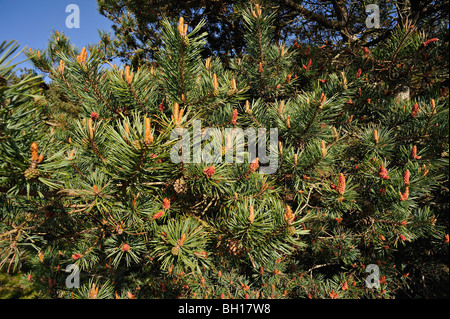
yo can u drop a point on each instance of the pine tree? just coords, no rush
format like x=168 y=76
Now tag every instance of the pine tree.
x=355 y=184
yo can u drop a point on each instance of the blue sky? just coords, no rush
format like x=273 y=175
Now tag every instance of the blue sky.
x=31 y=22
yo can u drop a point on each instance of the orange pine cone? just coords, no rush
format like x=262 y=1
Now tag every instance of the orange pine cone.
x=215 y=83
x=414 y=153
x=323 y=148
x=258 y=10
x=406 y=176
x=375 y=136
x=166 y=203
x=288 y=215
x=308 y=65
x=127 y=131
x=176 y=108
x=180 y=26
x=158 y=215
x=254 y=165
x=288 y=78
x=333 y=295
x=341 y=184
x=336 y=135
x=415 y=110
x=180 y=242
x=404 y=196
x=234 y=117
x=424 y=170
x=383 y=173
x=209 y=171
x=247 y=106
x=61 y=66
x=433 y=106
x=233 y=84
x=91 y=128
x=148 y=139
x=81 y=58
x=281 y=107
x=34 y=151
x=93 y=292
x=128 y=74
x=208 y=63
x=251 y=216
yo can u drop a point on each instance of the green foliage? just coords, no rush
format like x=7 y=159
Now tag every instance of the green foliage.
x=107 y=196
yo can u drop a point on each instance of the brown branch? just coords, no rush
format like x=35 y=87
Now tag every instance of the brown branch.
x=97 y=93
x=322 y=20
x=136 y=97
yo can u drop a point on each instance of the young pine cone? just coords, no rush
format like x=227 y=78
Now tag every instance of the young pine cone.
x=137 y=145
x=234 y=248
x=291 y=230
x=175 y=250
x=31 y=173
x=180 y=186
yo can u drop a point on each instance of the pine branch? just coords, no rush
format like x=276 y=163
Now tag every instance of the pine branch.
x=97 y=93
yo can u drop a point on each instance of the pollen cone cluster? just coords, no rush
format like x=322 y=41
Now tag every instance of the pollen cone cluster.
x=180 y=243
x=81 y=58
x=128 y=75
x=148 y=132
x=32 y=172
x=323 y=148
x=251 y=216
x=182 y=27
x=257 y=12
x=289 y=215
x=61 y=66
x=177 y=114
x=341 y=184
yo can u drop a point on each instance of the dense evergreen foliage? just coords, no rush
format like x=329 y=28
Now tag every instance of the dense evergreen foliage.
x=87 y=176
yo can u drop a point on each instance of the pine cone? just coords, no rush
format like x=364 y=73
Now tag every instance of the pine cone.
x=175 y=250
x=180 y=186
x=137 y=145
x=406 y=176
x=383 y=173
x=414 y=153
x=31 y=173
x=291 y=230
x=34 y=151
x=148 y=132
x=251 y=216
x=288 y=215
x=341 y=184
x=234 y=248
